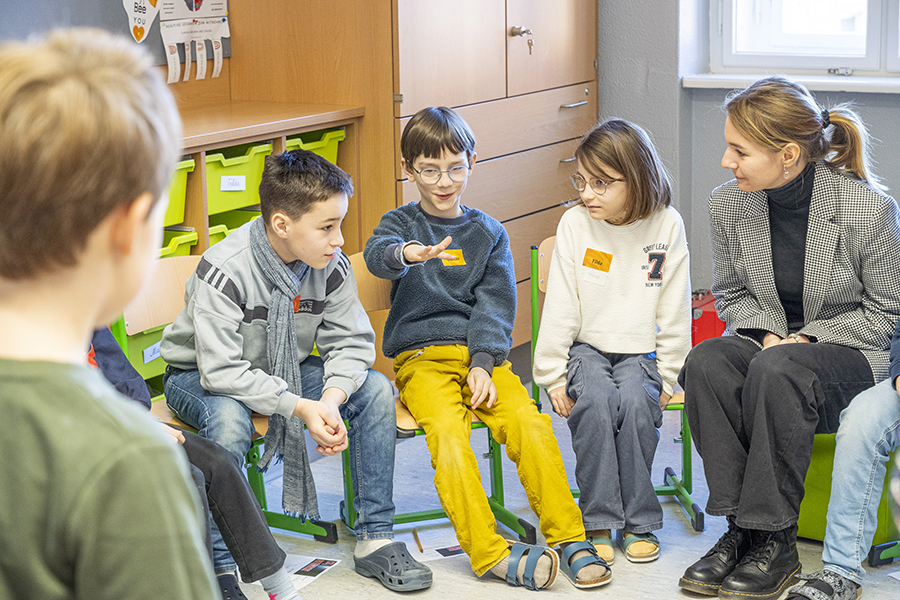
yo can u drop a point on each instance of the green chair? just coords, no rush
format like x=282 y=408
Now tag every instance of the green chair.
x=375 y=295
x=673 y=485
x=811 y=524
x=157 y=305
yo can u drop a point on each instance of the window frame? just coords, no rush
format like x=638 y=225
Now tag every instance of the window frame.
x=892 y=48
x=882 y=57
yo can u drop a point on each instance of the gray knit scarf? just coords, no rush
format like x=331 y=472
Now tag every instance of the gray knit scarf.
x=285 y=439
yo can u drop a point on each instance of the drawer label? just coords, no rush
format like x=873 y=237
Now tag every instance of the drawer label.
x=151 y=352
x=233 y=183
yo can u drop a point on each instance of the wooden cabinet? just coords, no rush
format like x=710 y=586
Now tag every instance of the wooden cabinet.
x=528 y=98
x=449 y=52
x=386 y=59
x=563 y=49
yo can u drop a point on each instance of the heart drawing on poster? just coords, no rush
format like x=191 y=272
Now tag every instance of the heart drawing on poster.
x=141 y=14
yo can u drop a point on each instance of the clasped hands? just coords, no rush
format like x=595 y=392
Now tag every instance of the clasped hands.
x=772 y=339
x=323 y=419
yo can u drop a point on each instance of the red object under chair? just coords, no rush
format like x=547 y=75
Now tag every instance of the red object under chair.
x=706 y=323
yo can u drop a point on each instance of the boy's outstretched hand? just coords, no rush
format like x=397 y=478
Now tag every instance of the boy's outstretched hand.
x=420 y=253
x=482 y=387
x=325 y=424
x=562 y=404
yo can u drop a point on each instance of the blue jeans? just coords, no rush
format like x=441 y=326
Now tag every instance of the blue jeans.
x=869 y=431
x=372 y=434
x=614 y=434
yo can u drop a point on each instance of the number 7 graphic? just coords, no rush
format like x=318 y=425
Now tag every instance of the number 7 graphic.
x=656 y=259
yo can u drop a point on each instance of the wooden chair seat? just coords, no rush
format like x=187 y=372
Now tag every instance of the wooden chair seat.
x=163 y=414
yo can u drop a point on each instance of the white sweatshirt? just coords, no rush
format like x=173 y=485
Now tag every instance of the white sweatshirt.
x=622 y=289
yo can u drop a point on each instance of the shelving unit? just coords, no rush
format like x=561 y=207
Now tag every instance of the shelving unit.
x=213 y=126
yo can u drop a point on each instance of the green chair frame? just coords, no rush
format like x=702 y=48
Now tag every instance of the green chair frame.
x=374 y=293
x=673 y=485
x=157 y=305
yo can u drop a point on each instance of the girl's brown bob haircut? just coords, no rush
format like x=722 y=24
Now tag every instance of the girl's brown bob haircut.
x=626 y=148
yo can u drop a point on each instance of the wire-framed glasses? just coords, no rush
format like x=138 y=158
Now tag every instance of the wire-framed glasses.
x=598 y=185
x=431 y=176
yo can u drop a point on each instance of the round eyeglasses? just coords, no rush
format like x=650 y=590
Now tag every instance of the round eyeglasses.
x=431 y=176
x=598 y=185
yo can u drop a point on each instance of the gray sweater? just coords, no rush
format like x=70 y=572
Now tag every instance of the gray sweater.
x=222 y=329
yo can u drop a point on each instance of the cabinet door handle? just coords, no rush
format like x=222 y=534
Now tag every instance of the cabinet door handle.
x=574 y=104
x=518 y=30
x=567 y=160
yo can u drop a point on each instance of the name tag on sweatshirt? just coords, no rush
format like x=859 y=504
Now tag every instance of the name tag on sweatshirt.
x=595 y=266
x=454 y=262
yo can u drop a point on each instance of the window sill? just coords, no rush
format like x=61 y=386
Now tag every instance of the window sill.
x=815 y=83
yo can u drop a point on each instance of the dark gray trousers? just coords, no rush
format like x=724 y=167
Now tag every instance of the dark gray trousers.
x=614 y=434
x=753 y=414
x=234 y=509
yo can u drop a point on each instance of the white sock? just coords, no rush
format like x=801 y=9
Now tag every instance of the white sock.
x=367 y=547
x=279 y=586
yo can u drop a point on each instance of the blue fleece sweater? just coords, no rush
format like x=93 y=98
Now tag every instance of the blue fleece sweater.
x=470 y=301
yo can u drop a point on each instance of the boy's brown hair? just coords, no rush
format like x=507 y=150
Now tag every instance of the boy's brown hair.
x=293 y=181
x=86 y=124
x=433 y=130
x=626 y=148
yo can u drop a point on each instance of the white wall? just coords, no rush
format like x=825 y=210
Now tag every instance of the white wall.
x=645 y=46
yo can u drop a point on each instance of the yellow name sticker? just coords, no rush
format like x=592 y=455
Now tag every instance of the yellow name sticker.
x=454 y=262
x=596 y=265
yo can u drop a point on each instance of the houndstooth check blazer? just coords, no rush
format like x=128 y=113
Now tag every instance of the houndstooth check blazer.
x=851 y=274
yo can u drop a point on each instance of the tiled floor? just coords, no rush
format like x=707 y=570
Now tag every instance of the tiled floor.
x=413 y=490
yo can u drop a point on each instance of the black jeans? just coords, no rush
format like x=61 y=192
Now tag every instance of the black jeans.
x=753 y=414
x=234 y=509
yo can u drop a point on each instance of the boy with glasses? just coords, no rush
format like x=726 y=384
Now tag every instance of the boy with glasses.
x=449 y=332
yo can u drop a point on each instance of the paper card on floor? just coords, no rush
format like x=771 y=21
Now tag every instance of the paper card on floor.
x=305 y=569
x=895 y=575
x=437 y=542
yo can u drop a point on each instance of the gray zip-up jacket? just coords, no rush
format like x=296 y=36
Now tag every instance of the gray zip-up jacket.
x=222 y=329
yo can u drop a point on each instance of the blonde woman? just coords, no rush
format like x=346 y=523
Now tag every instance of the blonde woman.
x=805 y=246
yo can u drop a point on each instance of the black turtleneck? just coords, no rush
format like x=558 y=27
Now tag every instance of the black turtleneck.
x=788 y=221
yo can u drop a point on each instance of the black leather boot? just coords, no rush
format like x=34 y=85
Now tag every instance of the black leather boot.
x=706 y=575
x=767 y=568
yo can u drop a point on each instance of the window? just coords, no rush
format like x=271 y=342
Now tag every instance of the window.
x=812 y=35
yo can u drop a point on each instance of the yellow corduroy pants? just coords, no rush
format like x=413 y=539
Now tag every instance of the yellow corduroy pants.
x=432 y=384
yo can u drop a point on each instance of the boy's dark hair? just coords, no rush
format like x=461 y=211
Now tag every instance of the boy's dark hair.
x=293 y=181
x=433 y=130
x=625 y=147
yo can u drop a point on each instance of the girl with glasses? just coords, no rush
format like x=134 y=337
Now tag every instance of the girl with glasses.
x=615 y=330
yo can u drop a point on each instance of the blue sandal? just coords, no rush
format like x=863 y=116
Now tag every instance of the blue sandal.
x=516 y=551
x=571 y=568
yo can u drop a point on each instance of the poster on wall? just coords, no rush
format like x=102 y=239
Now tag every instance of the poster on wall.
x=193 y=34
x=192 y=9
x=141 y=14
x=188 y=28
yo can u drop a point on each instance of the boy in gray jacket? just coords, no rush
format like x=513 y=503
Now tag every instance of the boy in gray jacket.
x=256 y=306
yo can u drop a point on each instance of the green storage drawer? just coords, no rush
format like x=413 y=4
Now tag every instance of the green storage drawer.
x=177 y=243
x=323 y=142
x=143 y=352
x=233 y=181
x=176 y=192
x=217 y=233
x=234 y=218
